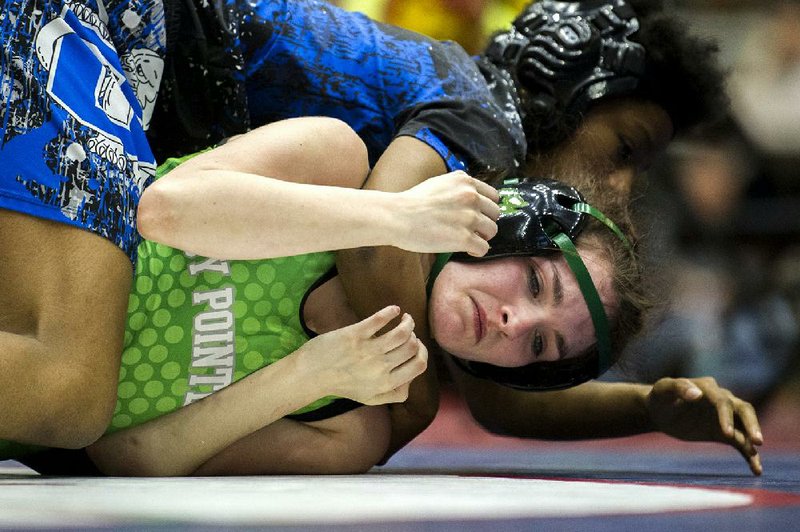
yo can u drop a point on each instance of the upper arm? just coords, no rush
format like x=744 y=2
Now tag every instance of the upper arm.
x=52 y=276
x=594 y=409
x=406 y=162
x=349 y=443
x=506 y=411
x=312 y=150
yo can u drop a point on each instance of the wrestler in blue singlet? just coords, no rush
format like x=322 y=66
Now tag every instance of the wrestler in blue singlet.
x=309 y=58
x=78 y=83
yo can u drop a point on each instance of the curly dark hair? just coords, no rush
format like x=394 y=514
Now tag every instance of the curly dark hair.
x=682 y=73
x=635 y=295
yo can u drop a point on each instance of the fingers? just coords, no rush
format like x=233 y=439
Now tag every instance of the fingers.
x=748 y=436
x=407 y=361
x=489 y=206
x=485 y=224
x=749 y=420
x=748 y=450
x=700 y=409
x=398 y=395
x=370 y=326
x=485 y=227
x=396 y=337
x=725 y=416
x=402 y=376
x=487 y=190
x=737 y=420
x=414 y=366
x=477 y=246
x=687 y=390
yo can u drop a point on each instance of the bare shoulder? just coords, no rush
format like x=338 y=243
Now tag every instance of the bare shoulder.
x=46 y=266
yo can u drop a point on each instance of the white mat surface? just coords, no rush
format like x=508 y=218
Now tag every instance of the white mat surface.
x=31 y=501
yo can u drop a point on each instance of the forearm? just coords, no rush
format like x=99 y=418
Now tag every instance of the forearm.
x=353 y=362
x=252 y=216
x=591 y=410
x=375 y=277
x=349 y=443
x=178 y=443
x=253 y=197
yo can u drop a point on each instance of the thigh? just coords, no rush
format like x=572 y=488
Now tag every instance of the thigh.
x=77 y=95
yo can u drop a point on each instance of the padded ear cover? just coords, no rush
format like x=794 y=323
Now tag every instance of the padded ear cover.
x=564 y=55
x=529 y=212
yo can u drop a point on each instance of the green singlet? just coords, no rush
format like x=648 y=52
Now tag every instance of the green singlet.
x=196 y=325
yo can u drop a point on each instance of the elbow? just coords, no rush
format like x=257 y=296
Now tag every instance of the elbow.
x=74 y=429
x=156 y=215
x=80 y=419
x=351 y=164
x=355 y=464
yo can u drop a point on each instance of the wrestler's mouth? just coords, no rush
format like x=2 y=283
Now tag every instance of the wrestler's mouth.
x=479 y=321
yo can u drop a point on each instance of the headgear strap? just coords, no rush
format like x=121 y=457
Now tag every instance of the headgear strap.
x=538 y=218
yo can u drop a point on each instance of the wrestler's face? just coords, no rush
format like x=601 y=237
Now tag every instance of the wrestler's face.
x=513 y=311
x=616 y=140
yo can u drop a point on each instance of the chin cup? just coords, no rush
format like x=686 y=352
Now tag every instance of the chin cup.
x=538 y=218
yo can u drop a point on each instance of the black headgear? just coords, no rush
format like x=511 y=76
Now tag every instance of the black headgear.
x=564 y=55
x=540 y=218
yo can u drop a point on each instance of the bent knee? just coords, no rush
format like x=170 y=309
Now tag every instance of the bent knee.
x=77 y=405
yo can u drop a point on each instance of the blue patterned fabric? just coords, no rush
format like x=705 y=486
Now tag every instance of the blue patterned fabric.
x=306 y=57
x=78 y=82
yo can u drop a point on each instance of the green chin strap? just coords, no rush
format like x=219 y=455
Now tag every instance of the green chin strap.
x=597 y=312
x=436 y=269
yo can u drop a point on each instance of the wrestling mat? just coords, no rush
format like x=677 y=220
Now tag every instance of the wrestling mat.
x=430 y=489
x=450 y=479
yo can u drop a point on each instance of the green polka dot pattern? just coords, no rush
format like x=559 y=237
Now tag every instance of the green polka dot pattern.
x=195 y=325
x=167 y=361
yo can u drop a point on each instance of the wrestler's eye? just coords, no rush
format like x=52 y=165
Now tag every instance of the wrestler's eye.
x=624 y=150
x=533 y=281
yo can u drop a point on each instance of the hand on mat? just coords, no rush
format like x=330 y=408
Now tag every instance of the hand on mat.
x=450 y=212
x=367 y=368
x=700 y=410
